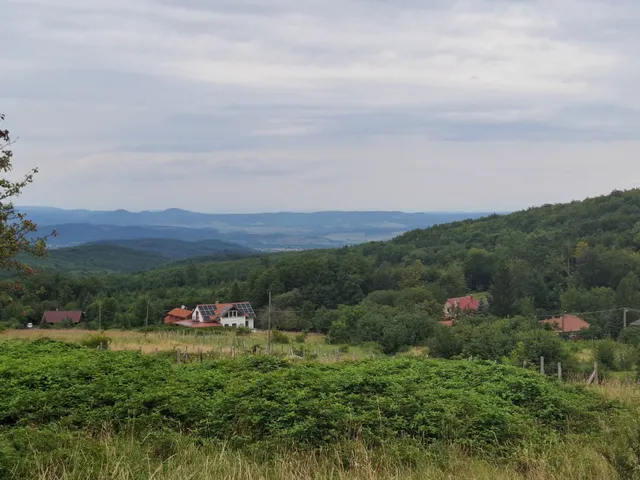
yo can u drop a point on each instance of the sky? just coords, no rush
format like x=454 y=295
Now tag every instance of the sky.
x=305 y=105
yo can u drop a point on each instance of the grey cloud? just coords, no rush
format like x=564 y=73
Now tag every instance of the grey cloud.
x=282 y=90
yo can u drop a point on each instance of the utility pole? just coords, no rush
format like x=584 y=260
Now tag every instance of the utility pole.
x=269 y=326
x=624 y=317
x=146 y=321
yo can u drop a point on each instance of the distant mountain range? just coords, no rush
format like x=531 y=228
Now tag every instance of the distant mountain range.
x=263 y=231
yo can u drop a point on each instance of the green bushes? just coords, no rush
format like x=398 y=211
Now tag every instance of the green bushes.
x=278 y=337
x=243 y=331
x=272 y=402
x=98 y=341
x=517 y=339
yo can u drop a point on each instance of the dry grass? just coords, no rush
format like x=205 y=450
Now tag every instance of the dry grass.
x=627 y=392
x=189 y=342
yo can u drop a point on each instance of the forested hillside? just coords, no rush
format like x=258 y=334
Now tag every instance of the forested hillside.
x=98 y=259
x=576 y=257
x=178 y=249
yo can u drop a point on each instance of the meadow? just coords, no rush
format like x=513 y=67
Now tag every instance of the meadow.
x=192 y=342
x=73 y=412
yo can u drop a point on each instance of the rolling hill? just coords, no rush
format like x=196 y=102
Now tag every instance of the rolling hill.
x=100 y=259
x=179 y=249
x=576 y=257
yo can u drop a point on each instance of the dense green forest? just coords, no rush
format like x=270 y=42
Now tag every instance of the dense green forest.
x=131 y=256
x=576 y=257
x=98 y=259
x=178 y=249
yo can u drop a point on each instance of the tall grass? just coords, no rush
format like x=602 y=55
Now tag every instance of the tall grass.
x=127 y=458
x=224 y=343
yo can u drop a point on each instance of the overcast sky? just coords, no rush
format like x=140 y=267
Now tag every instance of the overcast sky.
x=263 y=105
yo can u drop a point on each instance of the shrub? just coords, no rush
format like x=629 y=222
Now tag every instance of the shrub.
x=270 y=402
x=343 y=348
x=631 y=336
x=98 y=341
x=278 y=337
x=606 y=354
x=243 y=331
x=300 y=338
x=626 y=357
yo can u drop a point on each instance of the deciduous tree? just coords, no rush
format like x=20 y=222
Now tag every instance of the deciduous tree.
x=17 y=233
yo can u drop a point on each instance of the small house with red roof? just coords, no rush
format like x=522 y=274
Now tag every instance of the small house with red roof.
x=454 y=306
x=177 y=315
x=567 y=324
x=239 y=314
x=59 y=316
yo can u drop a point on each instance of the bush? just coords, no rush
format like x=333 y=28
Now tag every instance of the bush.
x=278 y=337
x=606 y=354
x=274 y=402
x=243 y=331
x=626 y=357
x=300 y=338
x=631 y=336
x=98 y=341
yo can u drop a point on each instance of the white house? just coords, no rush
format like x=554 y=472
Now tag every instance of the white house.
x=224 y=314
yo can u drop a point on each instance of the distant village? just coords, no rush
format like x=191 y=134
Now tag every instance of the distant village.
x=241 y=314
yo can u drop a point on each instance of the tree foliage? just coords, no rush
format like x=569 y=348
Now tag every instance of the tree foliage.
x=16 y=231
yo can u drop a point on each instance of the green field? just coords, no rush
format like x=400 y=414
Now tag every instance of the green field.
x=69 y=411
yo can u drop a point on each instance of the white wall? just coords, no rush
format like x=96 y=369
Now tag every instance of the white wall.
x=239 y=321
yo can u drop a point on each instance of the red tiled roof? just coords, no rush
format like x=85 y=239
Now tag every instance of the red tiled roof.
x=179 y=312
x=58 y=316
x=465 y=303
x=566 y=323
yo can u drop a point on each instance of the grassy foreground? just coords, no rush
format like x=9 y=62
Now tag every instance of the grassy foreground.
x=68 y=412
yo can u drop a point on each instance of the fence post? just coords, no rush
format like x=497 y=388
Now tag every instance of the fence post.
x=177 y=355
x=559 y=371
x=200 y=355
x=542 y=365
x=595 y=371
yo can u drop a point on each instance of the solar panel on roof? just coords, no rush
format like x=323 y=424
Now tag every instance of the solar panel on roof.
x=207 y=309
x=245 y=308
